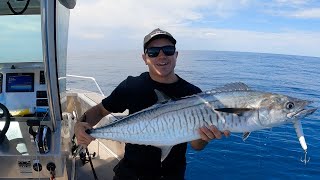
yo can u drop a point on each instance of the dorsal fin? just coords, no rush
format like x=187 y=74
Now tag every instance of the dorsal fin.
x=162 y=98
x=237 y=86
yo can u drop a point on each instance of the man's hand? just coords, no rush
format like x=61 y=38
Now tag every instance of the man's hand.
x=207 y=134
x=83 y=138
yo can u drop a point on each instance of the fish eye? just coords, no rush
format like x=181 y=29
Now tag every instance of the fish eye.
x=290 y=105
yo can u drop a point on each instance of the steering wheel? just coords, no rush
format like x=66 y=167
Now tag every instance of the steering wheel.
x=6 y=115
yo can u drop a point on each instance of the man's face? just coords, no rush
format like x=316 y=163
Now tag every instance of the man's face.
x=161 y=66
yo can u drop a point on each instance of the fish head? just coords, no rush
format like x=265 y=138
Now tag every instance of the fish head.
x=276 y=109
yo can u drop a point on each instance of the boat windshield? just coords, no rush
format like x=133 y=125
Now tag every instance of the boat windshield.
x=20 y=38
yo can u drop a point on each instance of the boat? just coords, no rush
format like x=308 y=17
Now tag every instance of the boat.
x=37 y=108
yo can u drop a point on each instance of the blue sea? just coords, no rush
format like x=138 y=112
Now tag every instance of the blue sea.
x=266 y=154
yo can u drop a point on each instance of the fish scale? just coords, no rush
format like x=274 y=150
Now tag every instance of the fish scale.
x=169 y=118
x=233 y=107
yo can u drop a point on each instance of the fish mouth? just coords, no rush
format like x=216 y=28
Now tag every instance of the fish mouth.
x=303 y=112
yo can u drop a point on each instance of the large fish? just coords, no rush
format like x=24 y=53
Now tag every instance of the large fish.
x=233 y=107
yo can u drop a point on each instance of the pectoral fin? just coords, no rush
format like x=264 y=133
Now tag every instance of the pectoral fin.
x=165 y=150
x=238 y=111
x=245 y=135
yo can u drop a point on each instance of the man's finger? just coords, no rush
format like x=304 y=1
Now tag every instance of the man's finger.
x=85 y=140
x=226 y=133
x=203 y=135
x=86 y=125
x=86 y=136
x=215 y=131
x=208 y=132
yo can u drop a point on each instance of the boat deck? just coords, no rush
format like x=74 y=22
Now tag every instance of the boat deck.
x=102 y=167
x=108 y=153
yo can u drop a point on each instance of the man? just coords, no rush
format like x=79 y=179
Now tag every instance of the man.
x=137 y=93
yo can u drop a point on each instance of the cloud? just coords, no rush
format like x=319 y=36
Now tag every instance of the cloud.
x=292 y=2
x=103 y=19
x=313 y=13
x=250 y=41
x=299 y=9
x=146 y=14
x=123 y=23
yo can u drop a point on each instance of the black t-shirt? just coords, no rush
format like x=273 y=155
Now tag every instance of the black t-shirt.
x=135 y=94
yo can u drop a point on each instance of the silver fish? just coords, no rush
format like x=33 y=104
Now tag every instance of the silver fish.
x=233 y=107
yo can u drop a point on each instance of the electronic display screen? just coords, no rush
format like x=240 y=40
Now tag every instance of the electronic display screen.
x=19 y=82
x=1 y=83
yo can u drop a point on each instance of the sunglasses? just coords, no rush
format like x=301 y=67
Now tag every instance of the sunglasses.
x=154 y=51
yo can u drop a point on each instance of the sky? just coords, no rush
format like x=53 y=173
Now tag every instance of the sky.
x=23 y=33
x=267 y=26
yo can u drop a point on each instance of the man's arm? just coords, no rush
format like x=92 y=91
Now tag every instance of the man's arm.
x=207 y=134
x=90 y=118
x=94 y=114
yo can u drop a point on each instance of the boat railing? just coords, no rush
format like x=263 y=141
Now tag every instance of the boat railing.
x=85 y=77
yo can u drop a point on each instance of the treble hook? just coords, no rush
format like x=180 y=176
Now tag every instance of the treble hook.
x=305 y=161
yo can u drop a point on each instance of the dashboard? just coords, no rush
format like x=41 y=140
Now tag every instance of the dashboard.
x=23 y=89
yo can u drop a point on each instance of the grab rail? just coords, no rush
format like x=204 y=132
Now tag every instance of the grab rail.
x=85 y=77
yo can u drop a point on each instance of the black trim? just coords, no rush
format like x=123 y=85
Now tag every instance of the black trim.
x=42 y=79
x=41 y=94
x=5 y=128
x=1 y=81
x=55 y=51
x=42 y=102
x=22 y=11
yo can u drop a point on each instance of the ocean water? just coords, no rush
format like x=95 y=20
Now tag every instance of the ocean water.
x=266 y=154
